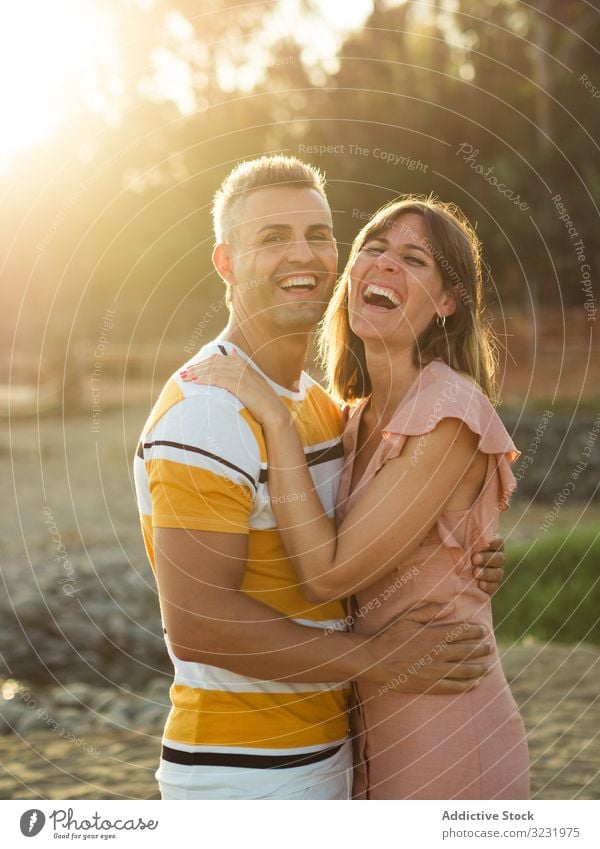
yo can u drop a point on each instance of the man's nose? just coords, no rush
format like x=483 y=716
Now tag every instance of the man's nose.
x=299 y=250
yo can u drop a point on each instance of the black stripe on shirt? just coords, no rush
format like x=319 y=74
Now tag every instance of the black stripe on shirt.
x=244 y=761
x=324 y=455
x=204 y=453
x=313 y=458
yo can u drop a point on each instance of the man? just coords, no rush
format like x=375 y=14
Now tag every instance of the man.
x=260 y=697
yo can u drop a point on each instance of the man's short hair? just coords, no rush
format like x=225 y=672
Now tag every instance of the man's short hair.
x=255 y=174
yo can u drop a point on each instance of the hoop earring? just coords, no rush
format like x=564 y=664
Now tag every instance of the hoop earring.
x=442 y=322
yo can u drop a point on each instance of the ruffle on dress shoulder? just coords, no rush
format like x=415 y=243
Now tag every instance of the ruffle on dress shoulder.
x=442 y=393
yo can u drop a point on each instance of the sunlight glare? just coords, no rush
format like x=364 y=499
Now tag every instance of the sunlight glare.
x=48 y=53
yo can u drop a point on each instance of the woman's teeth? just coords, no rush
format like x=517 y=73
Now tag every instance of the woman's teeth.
x=380 y=296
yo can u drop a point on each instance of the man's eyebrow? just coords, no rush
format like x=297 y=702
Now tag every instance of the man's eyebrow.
x=288 y=228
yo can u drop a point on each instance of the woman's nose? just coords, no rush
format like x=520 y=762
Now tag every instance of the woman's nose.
x=387 y=262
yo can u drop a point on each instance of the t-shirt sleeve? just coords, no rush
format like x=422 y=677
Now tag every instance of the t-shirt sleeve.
x=203 y=465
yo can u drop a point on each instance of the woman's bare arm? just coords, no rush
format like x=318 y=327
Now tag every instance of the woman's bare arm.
x=388 y=521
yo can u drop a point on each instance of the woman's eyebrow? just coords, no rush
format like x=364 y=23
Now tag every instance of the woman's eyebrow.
x=414 y=247
x=409 y=245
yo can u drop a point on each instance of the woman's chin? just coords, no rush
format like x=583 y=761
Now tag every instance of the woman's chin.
x=373 y=328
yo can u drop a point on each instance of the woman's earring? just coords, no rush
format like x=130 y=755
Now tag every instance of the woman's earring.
x=441 y=321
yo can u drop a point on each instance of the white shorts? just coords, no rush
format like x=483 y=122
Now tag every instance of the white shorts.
x=328 y=779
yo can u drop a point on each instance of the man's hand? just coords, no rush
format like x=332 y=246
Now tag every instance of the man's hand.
x=489 y=566
x=416 y=655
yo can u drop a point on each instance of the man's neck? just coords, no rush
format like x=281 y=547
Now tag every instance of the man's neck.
x=281 y=358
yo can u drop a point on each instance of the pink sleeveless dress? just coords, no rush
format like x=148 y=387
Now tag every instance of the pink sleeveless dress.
x=468 y=746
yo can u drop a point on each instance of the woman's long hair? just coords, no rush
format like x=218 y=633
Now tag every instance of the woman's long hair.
x=465 y=343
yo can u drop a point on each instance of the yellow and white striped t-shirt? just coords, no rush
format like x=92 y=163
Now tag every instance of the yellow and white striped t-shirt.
x=201 y=464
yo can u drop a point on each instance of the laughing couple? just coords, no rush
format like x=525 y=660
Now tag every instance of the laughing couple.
x=325 y=560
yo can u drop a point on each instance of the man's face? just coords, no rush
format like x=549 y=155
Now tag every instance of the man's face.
x=283 y=259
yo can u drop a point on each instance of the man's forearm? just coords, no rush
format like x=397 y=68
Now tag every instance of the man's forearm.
x=262 y=643
x=218 y=624
x=266 y=645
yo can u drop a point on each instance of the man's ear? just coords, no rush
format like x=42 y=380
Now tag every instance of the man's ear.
x=223 y=261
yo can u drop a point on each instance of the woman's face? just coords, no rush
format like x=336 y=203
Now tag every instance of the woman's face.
x=395 y=287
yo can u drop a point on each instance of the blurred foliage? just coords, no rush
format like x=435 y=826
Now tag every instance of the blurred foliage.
x=117 y=215
x=551 y=588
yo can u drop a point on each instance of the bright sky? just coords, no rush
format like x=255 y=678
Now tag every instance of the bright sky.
x=50 y=54
x=320 y=39
x=59 y=57
x=322 y=42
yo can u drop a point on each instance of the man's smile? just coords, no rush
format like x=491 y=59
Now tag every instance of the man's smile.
x=298 y=283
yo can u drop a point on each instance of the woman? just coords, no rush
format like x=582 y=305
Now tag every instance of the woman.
x=427 y=472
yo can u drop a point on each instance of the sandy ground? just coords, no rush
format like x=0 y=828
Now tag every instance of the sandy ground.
x=557 y=688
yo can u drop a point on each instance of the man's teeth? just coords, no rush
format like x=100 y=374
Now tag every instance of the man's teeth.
x=379 y=291
x=308 y=282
